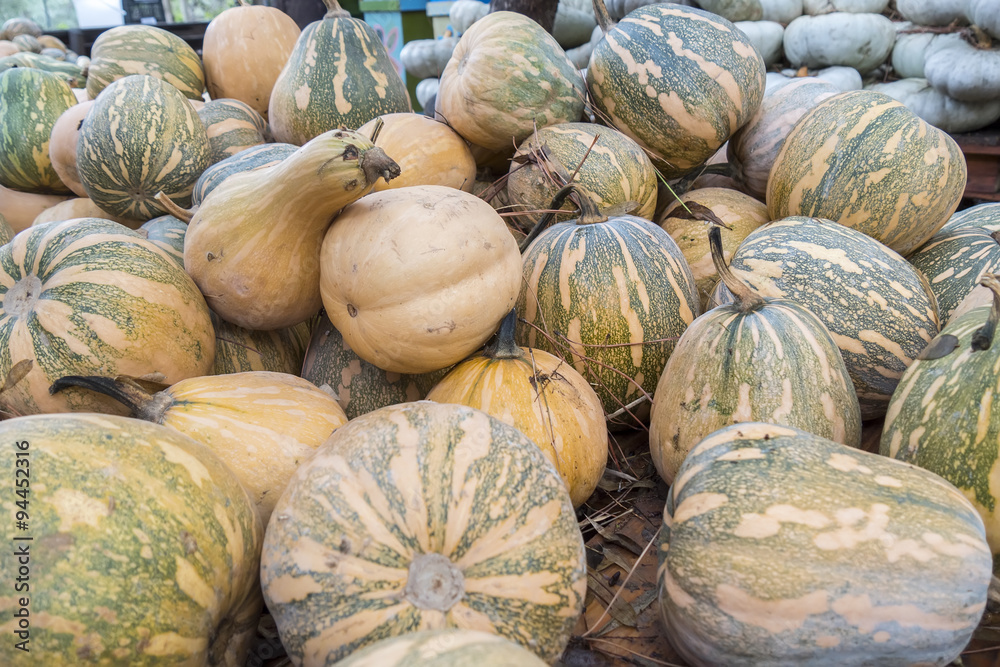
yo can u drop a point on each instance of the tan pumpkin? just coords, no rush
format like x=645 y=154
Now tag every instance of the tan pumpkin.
x=21 y=208
x=62 y=145
x=78 y=207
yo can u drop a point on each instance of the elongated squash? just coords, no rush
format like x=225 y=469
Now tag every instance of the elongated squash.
x=263 y=155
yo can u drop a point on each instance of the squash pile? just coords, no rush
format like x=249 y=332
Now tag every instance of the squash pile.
x=270 y=340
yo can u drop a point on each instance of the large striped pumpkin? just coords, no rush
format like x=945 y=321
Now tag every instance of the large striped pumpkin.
x=144 y=549
x=122 y=169
x=144 y=49
x=676 y=79
x=782 y=548
x=879 y=309
x=87 y=297
x=450 y=647
x=424 y=516
x=864 y=160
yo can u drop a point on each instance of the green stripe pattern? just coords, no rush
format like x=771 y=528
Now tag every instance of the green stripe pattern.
x=144 y=49
x=954 y=260
x=264 y=155
x=239 y=350
x=71 y=73
x=232 y=126
x=449 y=647
x=168 y=233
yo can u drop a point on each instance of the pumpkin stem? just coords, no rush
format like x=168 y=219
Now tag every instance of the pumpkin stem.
x=983 y=338
x=334 y=11
x=589 y=213
x=244 y=3
x=182 y=214
x=504 y=346
x=746 y=299
x=603 y=18
x=683 y=185
x=140 y=402
x=996 y=236
x=375 y=163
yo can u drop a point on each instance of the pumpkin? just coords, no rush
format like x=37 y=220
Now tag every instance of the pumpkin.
x=263 y=155
x=359 y=386
x=63 y=140
x=982 y=13
x=618 y=9
x=52 y=42
x=767 y=37
x=426 y=91
x=90 y=296
x=494 y=94
x=77 y=207
x=31 y=102
x=148 y=50
x=453 y=273
x=244 y=50
x=27 y=43
x=260 y=424
x=954 y=260
x=428 y=151
x=912 y=174
x=741 y=213
x=734 y=10
x=817 y=7
x=229 y=250
x=123 y=170
x=21 y=208
x=6 y=231
x=442 y=648
x=911 y=48
x=933 y=12
x=541 y=396
x=938 y=109
x=613 y=169
x=863 y=41
x=425 y=58
x=463 y=13
x=690 y=93
x=580 y=55
x=879 y=309
x=781 y=11
x=842 y=78
x=419 y=532
x=338 y=75
x=9 y=48
x=232 y=126
x=19 y=26
x=716 y=375
x=71 y=73
x=610 y=295
x=146 y=548
x=168 y=232
x=753 y=148
x=239 y=350
x=964 y=72
x=785 y=548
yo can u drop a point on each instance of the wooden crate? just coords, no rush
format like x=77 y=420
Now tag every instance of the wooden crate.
x=982 y=154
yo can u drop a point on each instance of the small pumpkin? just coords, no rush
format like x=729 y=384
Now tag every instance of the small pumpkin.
x=768 y=37
x=864 y=41
x=817 y=7
x=168 y=233
x=21 y=208
x=426 y=58
x=964 y=72
x=63 y=140
x=941 y=111
x=933 y=12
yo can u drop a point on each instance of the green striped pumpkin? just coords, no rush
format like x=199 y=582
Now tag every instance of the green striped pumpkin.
x=428 y=515
x=239 y=350
x=264 y=155
x=612 y=168
x=757 y=359
x=144 y=547
x=450 y=647
x=338 y=75
x=232 y=126
x=71 y=73
x=782 y=548
x=31 y=101
x=6 y=231
x=359 y=386
x=676 y=79
x=19 y=26
x=943 y=416
x=864 y=160
x=27 y=43
x=880 y=311
x=122 y=169
x=611 y=295
x=91 y=297
x=986 y=216
x=144 y=49
x=168 y=233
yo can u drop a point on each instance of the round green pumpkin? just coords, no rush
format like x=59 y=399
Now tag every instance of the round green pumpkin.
x=144 y=49
x=167 y=232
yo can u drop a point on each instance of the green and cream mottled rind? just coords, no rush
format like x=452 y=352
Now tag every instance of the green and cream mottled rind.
x=144 y=49
x=232 y=126
x=879 y=309
x=264 y=155
x=619 y=293
x=168 y=233
x=943 y=417
x=6 y=231
x=339 y=75
x=612 y=168
x=31 y=101
x=986 y=216
x=678 y=80
x=71 y=73
x=777 y=364
x=864 y=160
x=450 y=647
x=782 y=548
x=506 y=77
x=359 y=386
x=397 y=491
x=122 y=169
x=91 y=297
x=145 y=548
x=239 y=350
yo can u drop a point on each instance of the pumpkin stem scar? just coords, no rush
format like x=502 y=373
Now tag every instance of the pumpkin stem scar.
x=983 y=338
x=434 y=582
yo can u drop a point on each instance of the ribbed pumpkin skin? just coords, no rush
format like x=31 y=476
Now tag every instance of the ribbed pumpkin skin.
x=623 y=284
x=450 y=647
x=506 y=77
x=954 y=260
x=359 y=386
x=238 y=350
x=71 y=73
x=338 y=75
x=545 y=399
x=122 y=169
x=864 y=160
x=782 y=548
x=985 y=216
x=168 y=233
x=423 y=504
x=91 y=297
x=880 y=311
x=31 y=102
x=144 y=49
x=614 y=170
x=264 y=155
x=776 y=364
x=146 y=549
x=943 y=418
x=232 y=126
x=678 y=80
